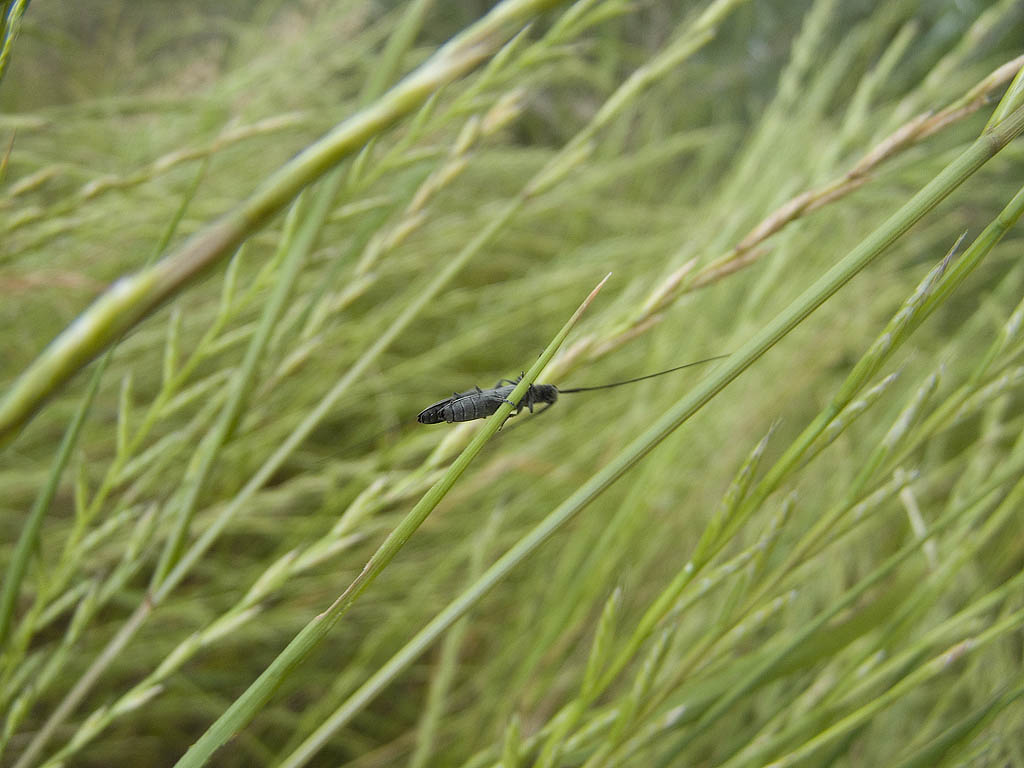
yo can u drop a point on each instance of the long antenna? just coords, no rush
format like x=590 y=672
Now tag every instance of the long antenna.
x=640 y=378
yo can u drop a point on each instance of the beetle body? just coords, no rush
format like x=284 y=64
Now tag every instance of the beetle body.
x=479 y=403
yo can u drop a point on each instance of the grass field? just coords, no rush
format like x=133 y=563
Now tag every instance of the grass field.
x=245 y=243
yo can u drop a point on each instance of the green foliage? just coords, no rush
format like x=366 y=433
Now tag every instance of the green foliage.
x=286 y=228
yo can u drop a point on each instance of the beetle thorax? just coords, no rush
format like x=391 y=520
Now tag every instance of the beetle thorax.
x=543 y=393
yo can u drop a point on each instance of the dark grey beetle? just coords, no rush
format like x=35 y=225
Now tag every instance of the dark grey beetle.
x=479 y=403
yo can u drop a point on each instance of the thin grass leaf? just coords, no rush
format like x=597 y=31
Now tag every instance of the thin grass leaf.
x=172 y=351
x=246 y=706
x=11 y=15
x=601 y=646
x=124 y=414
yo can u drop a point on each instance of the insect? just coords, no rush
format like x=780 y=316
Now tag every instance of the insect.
x=479 y=403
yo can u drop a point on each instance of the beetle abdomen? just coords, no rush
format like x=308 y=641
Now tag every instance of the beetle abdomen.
x=465 y=406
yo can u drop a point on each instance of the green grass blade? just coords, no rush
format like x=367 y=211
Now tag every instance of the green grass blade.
x=249 y=703
x=11 y=13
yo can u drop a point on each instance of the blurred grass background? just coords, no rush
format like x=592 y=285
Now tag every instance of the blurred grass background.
x=117 y=116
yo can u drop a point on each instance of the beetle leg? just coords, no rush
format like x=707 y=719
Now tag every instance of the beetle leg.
x=510 y=381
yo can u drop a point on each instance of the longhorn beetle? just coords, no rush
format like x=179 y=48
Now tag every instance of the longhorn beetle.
x=479 y=403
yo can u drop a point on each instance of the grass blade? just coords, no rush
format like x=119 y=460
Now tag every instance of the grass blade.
x=249 y=703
